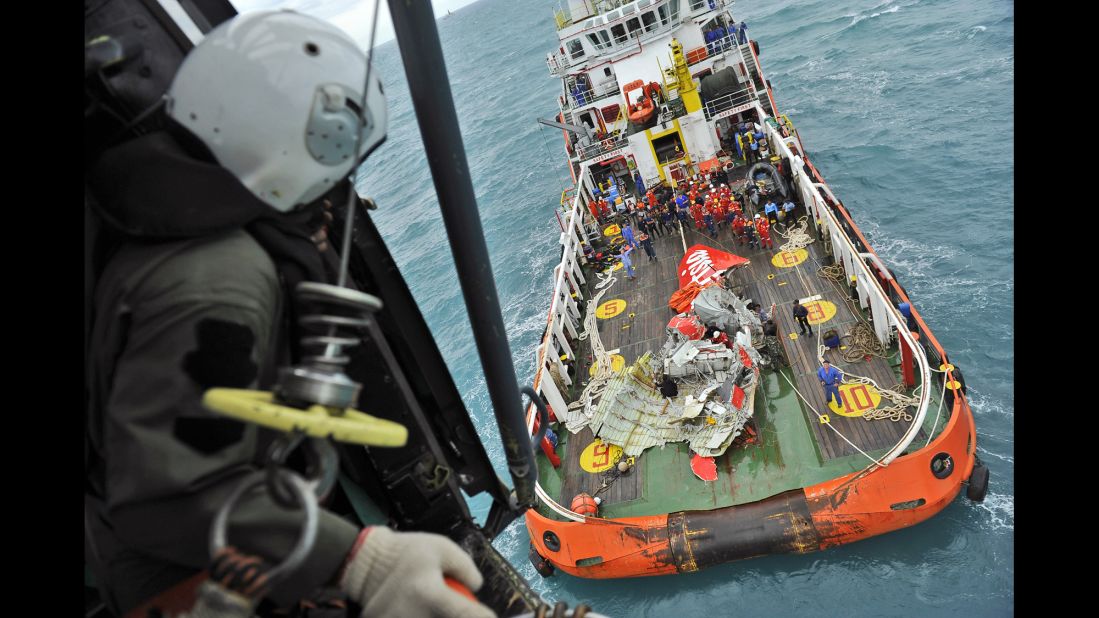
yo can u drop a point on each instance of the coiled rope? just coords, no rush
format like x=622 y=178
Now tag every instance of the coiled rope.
x=603 y=372
x=796 y=236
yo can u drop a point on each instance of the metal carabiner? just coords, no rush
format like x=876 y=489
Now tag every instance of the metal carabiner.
x=322 y=467
x=303 y=494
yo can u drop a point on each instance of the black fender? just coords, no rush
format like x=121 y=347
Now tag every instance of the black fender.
x=978 y=483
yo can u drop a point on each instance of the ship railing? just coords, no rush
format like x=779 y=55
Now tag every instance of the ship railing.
x=564 y=320
x=590 y=96
x=558 y=63
x=728 y=101
x=602 y=147
x=886 y=317
x=714 y=49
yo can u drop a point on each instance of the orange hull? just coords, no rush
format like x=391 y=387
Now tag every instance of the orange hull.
x=853 y=507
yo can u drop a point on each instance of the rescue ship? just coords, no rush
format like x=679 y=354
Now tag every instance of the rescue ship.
x=685 y=430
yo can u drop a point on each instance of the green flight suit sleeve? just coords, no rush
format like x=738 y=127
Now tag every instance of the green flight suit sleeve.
x=200 y=318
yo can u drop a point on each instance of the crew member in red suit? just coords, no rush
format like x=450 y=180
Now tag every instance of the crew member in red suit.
x=764 y=229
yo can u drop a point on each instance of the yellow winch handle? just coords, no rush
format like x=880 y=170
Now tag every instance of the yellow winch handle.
x=346 y=425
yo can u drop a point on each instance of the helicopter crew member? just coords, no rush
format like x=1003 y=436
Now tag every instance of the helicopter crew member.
x=212 y=224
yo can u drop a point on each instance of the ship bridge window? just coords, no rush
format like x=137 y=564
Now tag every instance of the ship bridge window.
x=596 y=43
x=626 y=10
x=606 y=38
x=649 y=18
x=619 y=33
x=634 y=25
x=576 y=50
x=673 y=10
x=697 y=4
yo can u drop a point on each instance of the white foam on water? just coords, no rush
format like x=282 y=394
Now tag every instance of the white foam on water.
x=999 y=509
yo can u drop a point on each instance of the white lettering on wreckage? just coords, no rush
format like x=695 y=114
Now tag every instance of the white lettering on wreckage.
x=700 y=267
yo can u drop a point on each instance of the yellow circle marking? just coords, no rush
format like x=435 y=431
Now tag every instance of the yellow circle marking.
x=946 y=367
x=857 y=399
x=610 y=308
x=820 y=311
x=954 y=384
x=612 y=230
x=771 y=276
x=598 y=456
x=617 y=363
x=789 y=259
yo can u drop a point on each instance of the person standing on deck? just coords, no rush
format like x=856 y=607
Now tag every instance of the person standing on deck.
x=647 y=243
x=801 y=314
x=750 y=234
x=627 y=233
x=624 y=257
x=666 y=215
x=788 y=208
x=640 y=185
x=708 y=218
x=830 y=378
x=771 y=211
x=764 y=230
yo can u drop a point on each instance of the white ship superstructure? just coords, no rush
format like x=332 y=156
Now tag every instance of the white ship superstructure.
x=613 y=54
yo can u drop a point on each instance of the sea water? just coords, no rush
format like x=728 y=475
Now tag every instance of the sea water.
x=906 y=109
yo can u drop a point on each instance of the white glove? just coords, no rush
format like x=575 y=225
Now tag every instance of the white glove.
x=400 y=574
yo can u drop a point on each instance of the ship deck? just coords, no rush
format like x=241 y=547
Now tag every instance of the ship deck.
x=794 y=448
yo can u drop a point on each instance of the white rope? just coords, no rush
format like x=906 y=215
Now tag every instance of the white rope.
x=829 y=425
x=942 y=397
x=796 y=236
x=603 y=371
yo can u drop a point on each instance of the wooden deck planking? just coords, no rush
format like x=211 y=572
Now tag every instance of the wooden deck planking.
x=621 y=489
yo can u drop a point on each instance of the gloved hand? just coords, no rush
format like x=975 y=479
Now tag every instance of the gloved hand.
x=400 y=574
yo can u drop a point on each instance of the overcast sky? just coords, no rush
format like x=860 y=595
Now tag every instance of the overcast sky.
x=352 y=15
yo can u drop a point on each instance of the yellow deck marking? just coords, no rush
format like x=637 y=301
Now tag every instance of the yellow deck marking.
x=954 y=384
x=824 y=420
x=617 y=266
x=946 y=367
x=793 y=336
x=612 y=230
x=610 y=308
x=598 y=456
x=771 y=276
x=820 y=311
x=788 y=259
x=857 y=399
x=617 y=363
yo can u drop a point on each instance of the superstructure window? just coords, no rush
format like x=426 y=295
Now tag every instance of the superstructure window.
x=697 y=4
x=595 y=42
x=634 y=25
x=663 y=10
x=619 y=33
x=649 y=19
x=606 y=38
x=673 y=10
x=576 y=50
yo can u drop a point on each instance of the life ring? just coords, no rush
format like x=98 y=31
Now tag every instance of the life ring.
x=978 y=483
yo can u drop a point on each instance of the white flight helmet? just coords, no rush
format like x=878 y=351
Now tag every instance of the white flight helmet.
x=275 y=95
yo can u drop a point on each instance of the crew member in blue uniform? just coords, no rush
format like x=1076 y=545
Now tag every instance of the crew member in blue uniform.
x=801 y=314
x=830 y=378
